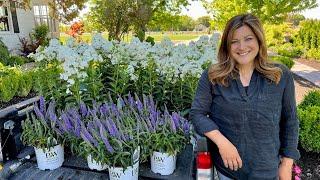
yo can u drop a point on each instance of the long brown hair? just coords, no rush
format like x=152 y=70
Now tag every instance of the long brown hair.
x=226 y=67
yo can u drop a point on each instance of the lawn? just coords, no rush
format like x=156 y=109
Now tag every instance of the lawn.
x=158 y=36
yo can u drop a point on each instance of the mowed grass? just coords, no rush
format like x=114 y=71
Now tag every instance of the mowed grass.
x=158 y=36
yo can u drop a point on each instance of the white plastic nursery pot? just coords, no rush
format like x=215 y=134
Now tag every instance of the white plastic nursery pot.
x=130 y=173
x=95 y=165
x=163 y=163
x=51 y=158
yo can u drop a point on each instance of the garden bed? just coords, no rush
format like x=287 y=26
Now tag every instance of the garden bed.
x=310 y=165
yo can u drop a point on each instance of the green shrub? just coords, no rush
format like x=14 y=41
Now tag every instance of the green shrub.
x=25 y=83
x=275 y=34
x=311 y=99
x=40 y=34
x=150 y=40
x=17 y=60
x=4 y=53
x=289 y=50
x=308 y=34
x=9 y=84
x=287 y=61
x=313 y=53
x=310 y=128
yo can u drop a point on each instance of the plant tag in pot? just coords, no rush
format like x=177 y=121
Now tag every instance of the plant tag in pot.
x=136 y=155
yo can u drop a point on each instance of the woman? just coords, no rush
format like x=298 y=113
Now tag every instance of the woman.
x=246 y=106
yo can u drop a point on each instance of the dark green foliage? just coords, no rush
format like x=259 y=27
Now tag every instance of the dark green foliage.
x=311 y=99
x=4 y=53
x=310 y=128
x=40 y=35
x=150 y=40
x=309 y=116
x=283 y=60
x=17 y=60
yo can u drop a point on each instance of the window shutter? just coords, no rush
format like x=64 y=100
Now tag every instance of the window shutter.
x=14 y=17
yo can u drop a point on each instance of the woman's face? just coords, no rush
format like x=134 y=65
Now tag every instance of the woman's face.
x=244 y=46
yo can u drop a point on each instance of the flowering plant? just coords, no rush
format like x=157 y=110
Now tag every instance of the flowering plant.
x=297 y=171
x=111 y=134
x=40 y=130
x=166 y=71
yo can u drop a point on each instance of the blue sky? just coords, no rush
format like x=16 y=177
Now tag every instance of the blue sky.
x=195 y=10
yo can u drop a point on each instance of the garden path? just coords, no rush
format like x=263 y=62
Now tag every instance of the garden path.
x=306 y=78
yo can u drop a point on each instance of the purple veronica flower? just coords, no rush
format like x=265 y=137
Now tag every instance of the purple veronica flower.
x=88 y=137
x=114 y=109
x=83 y=109
x=186 y=127
x=153 y=117
x=105 y=139
x=175 y=118
x=104 y=109
x=131 y=100
x=110 y=129
x=42 y=105
x=39 y=114
x=51 y=112
x=173 y=126
x=139 y=105
x=67 y=123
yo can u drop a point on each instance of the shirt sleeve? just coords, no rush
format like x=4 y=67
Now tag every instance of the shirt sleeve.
x=200 y=109
x=289 y=124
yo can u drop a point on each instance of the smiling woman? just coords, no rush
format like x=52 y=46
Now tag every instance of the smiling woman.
x=245 y=105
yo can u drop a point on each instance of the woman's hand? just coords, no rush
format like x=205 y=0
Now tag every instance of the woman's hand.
x=285 y=169
x=227 y=150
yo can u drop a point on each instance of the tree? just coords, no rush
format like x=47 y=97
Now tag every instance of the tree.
x=111 y=15
x=118 y=16
x=186 y=23
x=273 y=11
x=204 y=20
x=66 y=10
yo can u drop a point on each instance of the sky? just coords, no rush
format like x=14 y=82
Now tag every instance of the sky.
x=195 y=10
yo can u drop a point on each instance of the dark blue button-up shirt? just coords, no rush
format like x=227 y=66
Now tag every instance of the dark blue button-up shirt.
x=262 y=123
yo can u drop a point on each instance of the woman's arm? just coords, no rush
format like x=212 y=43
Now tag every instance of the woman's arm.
x=200 y=110
x=289 y=129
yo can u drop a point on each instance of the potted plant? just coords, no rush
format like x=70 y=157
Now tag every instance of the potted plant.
x=110 y=138
x=39 y=131
x=163 y=135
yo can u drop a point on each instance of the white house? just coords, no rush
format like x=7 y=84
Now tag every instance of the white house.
x=16 y=21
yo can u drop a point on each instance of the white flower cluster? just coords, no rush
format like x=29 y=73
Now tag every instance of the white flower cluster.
x=74 y=58
x=181 y=60
x=172 y=61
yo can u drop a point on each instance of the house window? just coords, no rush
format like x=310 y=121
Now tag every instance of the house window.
x=4 y=21
x=41 y=15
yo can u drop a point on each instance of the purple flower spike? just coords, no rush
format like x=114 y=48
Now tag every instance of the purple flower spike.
x=131 y=100
x=66 y=122
x=105 y=139
x=88 y=138
x=173 y=126
x=104 y=109
x=39 y=114
x=175 y=118
x=186 y=127
x=83 y=109
x=139 y=105
x=42 y=105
